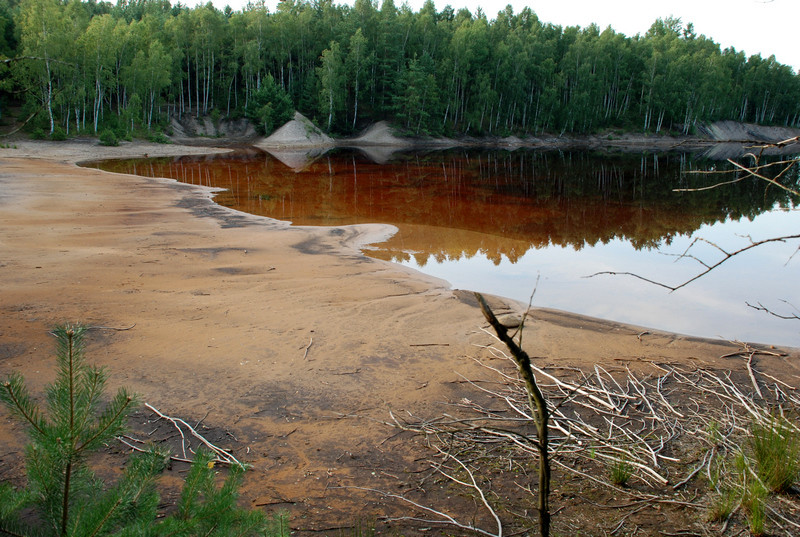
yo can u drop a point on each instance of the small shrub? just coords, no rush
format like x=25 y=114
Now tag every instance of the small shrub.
x=215 y=117
x=753 y=504
x=723 y=505
x=37 y=134
x=109 y=138
x=58 y=135
x=159 y=138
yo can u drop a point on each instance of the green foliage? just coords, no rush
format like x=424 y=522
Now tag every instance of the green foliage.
x=754 y=495
x=159 y=138
x=767 y=462
x=621 y=471
x=63 y=496
x=433 y=72
x=58 y=135
x=269 y=107
x=775 y=445
x=753 y=504
x=331 y=75
x=108 y=137
x=722 y=505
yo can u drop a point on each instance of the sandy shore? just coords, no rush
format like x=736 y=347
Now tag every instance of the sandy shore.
x=288 y=339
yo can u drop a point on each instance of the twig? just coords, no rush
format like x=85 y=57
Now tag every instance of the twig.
x=310 y=342
x=444 y=517
x=752 y=375
x=123 y=329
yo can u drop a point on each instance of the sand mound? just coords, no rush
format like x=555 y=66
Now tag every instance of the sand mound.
x=299 y=132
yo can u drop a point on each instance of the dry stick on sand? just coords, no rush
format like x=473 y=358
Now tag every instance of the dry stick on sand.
x=222 y=455
x=310 y=342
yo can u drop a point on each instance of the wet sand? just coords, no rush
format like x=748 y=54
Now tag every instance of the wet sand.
x=287 y=339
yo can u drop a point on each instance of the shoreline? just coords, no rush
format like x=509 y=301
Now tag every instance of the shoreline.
x=352 y=238
x=286 y=339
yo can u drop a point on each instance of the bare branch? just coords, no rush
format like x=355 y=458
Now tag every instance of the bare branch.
x=726 y=257
x=761 y=307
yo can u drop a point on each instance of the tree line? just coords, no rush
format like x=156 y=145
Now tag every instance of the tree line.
x=81 y=66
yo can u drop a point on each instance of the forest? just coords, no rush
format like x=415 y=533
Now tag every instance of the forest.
x=79 y=67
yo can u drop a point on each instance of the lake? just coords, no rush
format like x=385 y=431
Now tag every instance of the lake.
x=509 y=222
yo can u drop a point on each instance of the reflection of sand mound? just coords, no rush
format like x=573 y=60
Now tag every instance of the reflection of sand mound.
x=381 y=133
x=379 y=154
x=299 y=132
x=297 y=159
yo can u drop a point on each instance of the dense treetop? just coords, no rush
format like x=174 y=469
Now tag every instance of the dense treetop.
x=88 y=66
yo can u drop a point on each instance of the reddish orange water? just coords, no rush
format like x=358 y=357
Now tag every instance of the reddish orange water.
x=496 y=221
x=453 y=203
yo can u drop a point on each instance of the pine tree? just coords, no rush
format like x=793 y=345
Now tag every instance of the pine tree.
x=65 y=496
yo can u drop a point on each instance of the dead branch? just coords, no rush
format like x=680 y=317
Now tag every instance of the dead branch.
x=444 y=518
x=538 y=405
x=709 y=267
x=220 y=453
x=761 y=307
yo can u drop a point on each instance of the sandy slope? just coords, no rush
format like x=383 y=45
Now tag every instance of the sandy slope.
x=288 y=339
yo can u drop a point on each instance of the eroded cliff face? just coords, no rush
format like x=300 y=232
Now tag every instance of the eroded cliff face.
x=189 y=126
x=733 y=131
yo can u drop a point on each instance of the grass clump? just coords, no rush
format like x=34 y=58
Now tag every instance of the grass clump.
x=723 y=505
x=621 y=471
x=775 y=445
x=64 y=498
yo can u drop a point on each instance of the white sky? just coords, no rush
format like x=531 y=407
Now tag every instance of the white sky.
x=763 y=27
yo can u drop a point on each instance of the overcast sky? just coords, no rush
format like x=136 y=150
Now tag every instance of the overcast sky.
x=754 y=26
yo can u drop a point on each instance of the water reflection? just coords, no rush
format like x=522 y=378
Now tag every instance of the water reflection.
x=522 y=211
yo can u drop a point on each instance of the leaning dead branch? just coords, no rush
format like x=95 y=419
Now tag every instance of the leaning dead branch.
x=538 y=406
x=439 y=516
x=726 y=255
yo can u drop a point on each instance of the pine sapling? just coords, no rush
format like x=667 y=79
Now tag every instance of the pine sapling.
x=64 y=498
x=74 y=422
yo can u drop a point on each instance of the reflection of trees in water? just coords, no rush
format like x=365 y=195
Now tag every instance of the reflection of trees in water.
x=534 y=200
x=459 y=203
